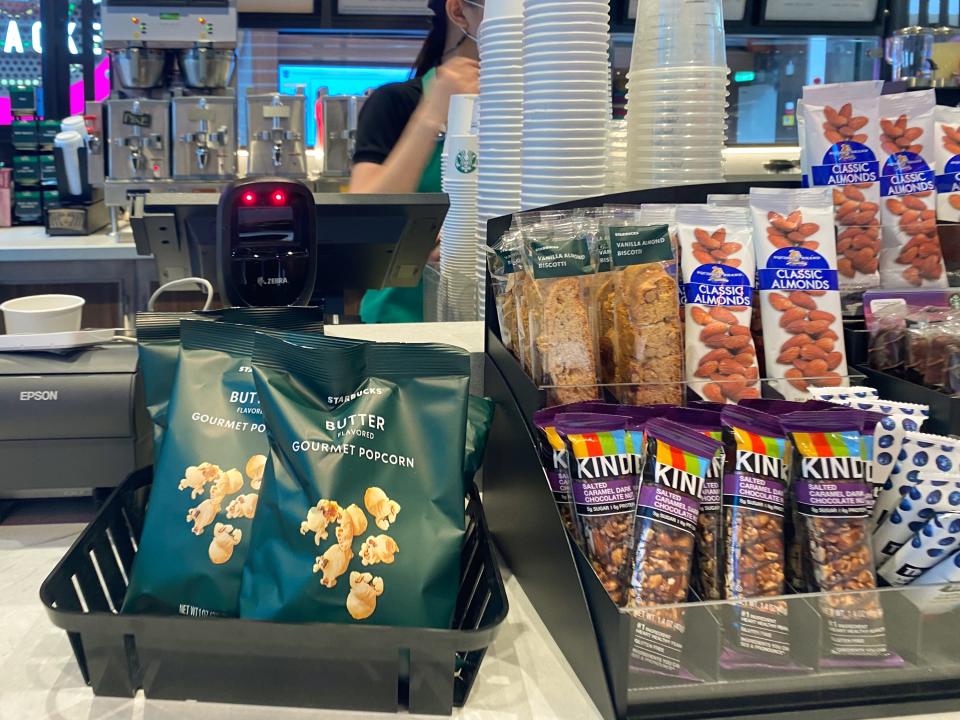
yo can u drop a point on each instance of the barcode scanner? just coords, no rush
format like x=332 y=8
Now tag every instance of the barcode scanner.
x=267 y=243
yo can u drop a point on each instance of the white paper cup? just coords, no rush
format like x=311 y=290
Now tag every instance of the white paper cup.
x=42 y=314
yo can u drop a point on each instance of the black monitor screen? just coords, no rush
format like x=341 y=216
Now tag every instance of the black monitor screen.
x=265 y=225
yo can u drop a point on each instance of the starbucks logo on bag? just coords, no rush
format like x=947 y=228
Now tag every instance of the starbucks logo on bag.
x=466 y=162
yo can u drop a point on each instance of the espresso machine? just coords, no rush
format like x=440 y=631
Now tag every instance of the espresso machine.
x=205 y=142
x=276 y=134
x=139 y=146
x=170 y=122
x=340 y=114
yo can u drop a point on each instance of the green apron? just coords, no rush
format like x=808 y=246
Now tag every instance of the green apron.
x=404 y=305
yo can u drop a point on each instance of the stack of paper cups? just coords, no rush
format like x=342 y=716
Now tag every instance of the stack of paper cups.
x=566 y=101
x=677 y=94
x=500 y=121
x=457 y=299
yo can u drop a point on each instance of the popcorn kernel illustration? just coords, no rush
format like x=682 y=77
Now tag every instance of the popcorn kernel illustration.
x=378 y=549
x=225 y=538
x=243 y=506
x=319 y=518
x=333 y=563
x=254 y=470
x=352 y=523
x=203 y=514
x=364 y=591
x=196 y=477
x=383 y=509
x=228 y=483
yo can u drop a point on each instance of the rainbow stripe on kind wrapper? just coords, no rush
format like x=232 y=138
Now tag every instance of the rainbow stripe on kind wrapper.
x=760 y=444
x=597 y=444
x=685 y=461
x=829 y=444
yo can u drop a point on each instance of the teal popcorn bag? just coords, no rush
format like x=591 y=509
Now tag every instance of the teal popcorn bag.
x=361 y=515
x=206 y=479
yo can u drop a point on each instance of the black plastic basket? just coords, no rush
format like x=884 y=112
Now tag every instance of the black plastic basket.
x=367 y=667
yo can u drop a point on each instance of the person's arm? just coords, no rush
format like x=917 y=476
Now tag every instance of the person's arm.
x=401 y=170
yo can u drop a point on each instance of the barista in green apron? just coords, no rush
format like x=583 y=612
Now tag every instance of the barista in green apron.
x=400 y=129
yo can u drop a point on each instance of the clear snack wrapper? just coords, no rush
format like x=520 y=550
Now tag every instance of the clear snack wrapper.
x=936 y=493
x=937 y=591
x=931 y=544
x=920 y=454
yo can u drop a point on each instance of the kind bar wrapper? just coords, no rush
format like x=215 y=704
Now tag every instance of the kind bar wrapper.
x=755 y=484
x=564 y=354
x=833 y=500
x=716 y=246
x=947 y=141
x=920 y=453
x=934 y=494
x=937 y=591
x=799 y=298
x=207 y=479
x=706 y=578
x=553 y=458
x=677 y=459
x=603 y=485
x=361 y=514
x=843 y=148
x=911 y=244
x=932 y=543
x=646 y=315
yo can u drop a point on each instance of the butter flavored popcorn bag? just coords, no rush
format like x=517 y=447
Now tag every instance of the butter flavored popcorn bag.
x=361 y=515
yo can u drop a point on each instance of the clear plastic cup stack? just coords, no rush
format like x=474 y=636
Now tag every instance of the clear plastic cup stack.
x=677 y=94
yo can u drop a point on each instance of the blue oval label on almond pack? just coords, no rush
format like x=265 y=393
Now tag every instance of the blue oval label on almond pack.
x=718 y=286
x=948 y=181
x=797 y=269
x=906 y=173
x=846 y=163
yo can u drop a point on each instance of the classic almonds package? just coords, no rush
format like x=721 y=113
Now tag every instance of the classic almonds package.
x=755 y=491
x=911 y=245
x=946 y=139
x=668 y=507
x=559 y=262
x=842 y=145
x=361 y=516
x=207 y=479
x=832 y=503
x=799 y=297
x=716 y=254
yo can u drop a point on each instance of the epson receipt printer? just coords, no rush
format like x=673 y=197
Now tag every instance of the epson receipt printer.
x=70 y=422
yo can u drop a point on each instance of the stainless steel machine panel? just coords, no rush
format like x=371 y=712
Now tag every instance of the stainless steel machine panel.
x=276 y=135
x=139 y=139
x=340 y=113
x=169 y=24
x=205 y=138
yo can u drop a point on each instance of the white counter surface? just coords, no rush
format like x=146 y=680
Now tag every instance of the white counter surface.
x=32 y=244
